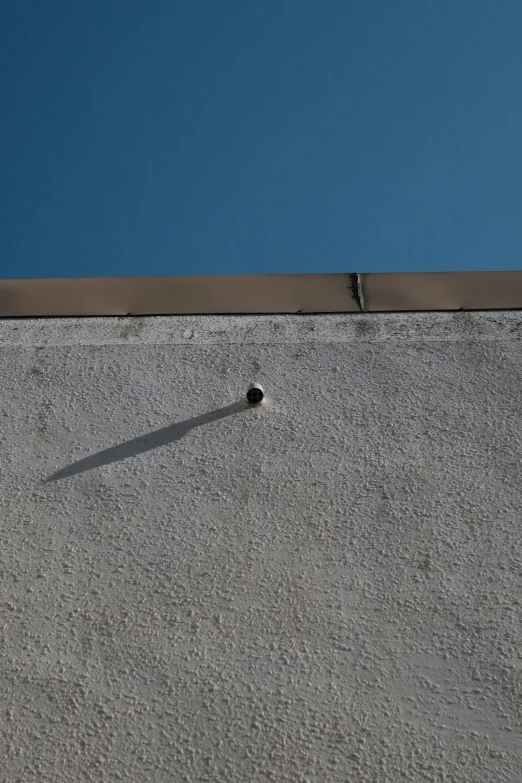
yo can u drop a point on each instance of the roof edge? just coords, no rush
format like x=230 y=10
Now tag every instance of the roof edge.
x=257 y=294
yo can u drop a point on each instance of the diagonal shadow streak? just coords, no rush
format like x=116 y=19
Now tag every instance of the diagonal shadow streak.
x=143 y=443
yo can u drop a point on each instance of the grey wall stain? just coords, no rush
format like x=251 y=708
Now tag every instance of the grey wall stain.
x=44 y=417
x=132 y=327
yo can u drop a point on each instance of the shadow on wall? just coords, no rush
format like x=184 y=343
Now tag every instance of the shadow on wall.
x=143 y=443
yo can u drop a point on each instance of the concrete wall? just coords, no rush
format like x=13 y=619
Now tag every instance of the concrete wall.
x=326 y=589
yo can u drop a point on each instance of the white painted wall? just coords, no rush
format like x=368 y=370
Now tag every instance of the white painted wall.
x=327 y=589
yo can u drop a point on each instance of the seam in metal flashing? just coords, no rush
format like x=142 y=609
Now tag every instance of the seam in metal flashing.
x=357 y=290
x=360 y=292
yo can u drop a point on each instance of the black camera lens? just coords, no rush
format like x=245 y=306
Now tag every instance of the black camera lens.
x=255 y=394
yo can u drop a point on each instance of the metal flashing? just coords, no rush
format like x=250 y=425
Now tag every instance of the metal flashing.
x=256 y=294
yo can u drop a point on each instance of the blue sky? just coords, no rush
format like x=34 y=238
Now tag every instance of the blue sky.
x=152 y=138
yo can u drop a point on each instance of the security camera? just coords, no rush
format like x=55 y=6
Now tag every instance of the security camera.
x=255 y=394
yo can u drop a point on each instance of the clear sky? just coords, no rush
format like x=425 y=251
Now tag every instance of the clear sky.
x=234 y=137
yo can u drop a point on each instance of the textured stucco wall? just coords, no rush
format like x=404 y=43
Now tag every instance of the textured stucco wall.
x=327 y=589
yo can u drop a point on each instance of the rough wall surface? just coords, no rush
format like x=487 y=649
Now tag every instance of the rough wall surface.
x=324 y=589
